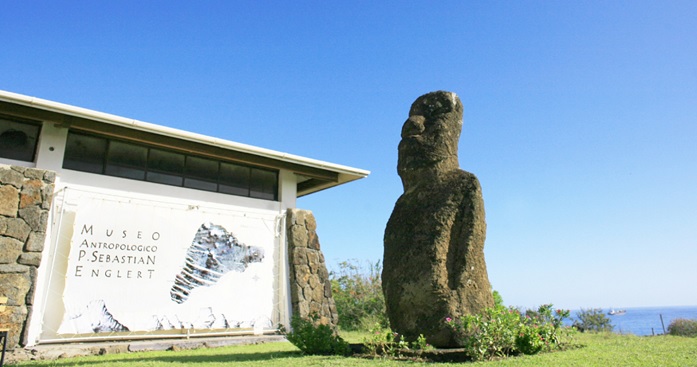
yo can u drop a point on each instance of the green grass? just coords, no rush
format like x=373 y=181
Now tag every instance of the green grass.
x=601 y=350
x=612 y=350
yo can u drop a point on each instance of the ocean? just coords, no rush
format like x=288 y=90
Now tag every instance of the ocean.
x=644 y=321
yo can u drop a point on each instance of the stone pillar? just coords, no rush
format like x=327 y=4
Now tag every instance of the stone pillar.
x=25 y=201
x=310 y=288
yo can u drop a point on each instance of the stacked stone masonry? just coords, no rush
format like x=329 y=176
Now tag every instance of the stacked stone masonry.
x=310 y=287
x=25 y=201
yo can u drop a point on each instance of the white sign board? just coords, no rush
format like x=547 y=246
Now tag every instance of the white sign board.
x=151 y=266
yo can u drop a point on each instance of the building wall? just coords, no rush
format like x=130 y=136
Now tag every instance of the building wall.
x=21 y=249
x=25 y=201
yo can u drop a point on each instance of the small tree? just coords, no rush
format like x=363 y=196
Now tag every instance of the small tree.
x=593 y=319
x=358 y=296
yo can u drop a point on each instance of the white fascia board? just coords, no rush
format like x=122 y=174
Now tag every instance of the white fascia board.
x=354 y=173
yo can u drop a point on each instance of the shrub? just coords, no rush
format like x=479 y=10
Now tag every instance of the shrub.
x=529 y=340
x=311 y=337
x=490 y=335
x=683 y=327
x=385 y=342
x=501 y=332
x=543 y=329
x=498 y=300
x=358 y=296
x=593 y=319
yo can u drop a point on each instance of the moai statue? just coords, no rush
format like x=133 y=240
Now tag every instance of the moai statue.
x=433 y=265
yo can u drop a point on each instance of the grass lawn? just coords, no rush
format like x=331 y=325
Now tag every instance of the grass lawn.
x=601 y=350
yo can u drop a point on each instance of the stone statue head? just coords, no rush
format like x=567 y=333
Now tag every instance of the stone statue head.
x=430 y=137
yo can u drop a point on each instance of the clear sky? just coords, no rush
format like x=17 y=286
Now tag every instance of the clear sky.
x=580 y=116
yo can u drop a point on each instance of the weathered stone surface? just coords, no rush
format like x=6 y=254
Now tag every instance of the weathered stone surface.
x=302 y=275
x=14 y=286
x=313 y=260
x=35 y=242
x=19 y=169
x=31 y=193
x=47 y=196
x=13 y=319
x=15 y=228
x=434 y=240
x=30 y=258
x=9 y=201
x=299 y=256
x=10 y=249
x=35 y=217
x=315 y=283
x=313 y=241
x=11 y=269
x=309 y=279
x=34 y=173
x=310 y=223
x=27 y=193
x=24 y=336
x=301 y=308
x=33 y=273
x=11 y=177
x=298 y=234
x=49 y=177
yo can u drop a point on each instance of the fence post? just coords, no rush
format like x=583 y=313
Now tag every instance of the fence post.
x=662 y=324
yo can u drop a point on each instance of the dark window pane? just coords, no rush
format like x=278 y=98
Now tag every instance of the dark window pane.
x=18 y=140
x=201 y=174
x=264 y=184
x=84 y=153
x=126 y=160
x=234 y=179
x=131 y=160
x=165 y=167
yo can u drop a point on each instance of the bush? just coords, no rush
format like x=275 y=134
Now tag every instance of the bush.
x=683 y=327
x=311 y=337
x=358 y=296
x=498 y=300
x=546 y=330
x=593 y=319
x=386 y=343
x=489 y=335
x=501 y=332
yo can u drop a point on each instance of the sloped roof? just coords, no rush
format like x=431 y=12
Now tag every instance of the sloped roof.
x=313 y=175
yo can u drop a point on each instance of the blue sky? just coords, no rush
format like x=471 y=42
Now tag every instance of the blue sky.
x=580 y=117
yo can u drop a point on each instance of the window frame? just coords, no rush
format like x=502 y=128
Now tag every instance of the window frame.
x=271 y=194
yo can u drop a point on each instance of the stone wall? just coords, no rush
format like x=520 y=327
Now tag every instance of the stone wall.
x=310 y=288
x=25 y=200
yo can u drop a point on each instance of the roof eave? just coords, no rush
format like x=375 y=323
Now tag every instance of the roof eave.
x=345 y=173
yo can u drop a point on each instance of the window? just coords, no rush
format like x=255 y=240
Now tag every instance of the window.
x=263 y=184
x=95 y=154
x=165 y=167
x=201 y=173
x=18 y=139
x=126 y=160
x=85 y=153
x=234 y=179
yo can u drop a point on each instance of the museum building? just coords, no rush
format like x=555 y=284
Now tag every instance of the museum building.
x=113 y=228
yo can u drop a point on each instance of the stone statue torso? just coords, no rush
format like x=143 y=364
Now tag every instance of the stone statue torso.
x=433 y=264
